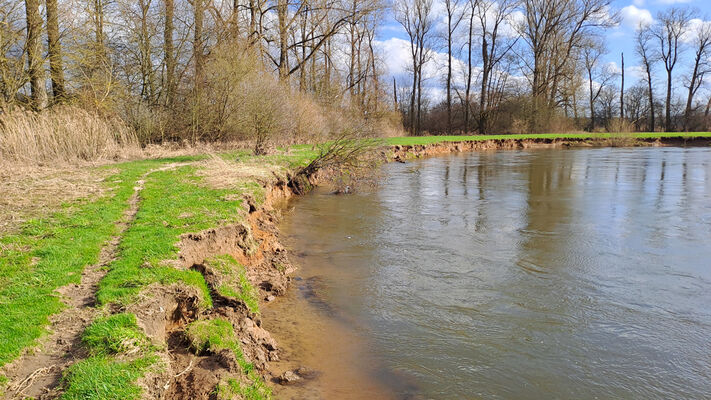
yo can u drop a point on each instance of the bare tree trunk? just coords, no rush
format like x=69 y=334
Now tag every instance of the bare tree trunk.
x=413 y=121
x=169 y=53
x=484 y=82
x=282 y=15
x=449 y=67
x=395 y=93
x=147 y=78
x=54 y=47
x=34 y=55
x=668 y=120
x=651 y=98
x=100 y=51
x=198 y=44
x=467 y=89
x=690 y=98
x=592 y=101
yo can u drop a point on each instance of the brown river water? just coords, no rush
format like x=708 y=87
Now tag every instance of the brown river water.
x=542 y=274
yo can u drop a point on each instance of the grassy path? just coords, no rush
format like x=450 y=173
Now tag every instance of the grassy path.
x=38 y=373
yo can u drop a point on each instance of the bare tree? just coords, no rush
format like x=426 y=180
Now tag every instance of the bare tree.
x=491 y=17
x=642 y=46
x=673 y=24
x=415 y=16
x=454 y=18
x=702 y=47
x=552 y=31
x=598 y=75
x=470 y=45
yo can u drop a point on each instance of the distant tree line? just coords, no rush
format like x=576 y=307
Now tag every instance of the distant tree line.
x=537 y=65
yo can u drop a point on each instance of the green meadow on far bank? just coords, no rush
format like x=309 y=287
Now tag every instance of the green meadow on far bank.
x=423 y=140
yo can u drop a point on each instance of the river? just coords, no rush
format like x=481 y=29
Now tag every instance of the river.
x=537 y=274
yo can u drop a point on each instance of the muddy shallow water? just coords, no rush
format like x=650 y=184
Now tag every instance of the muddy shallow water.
x=512 y=274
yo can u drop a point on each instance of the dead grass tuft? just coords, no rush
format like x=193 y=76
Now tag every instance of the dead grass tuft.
x=219 y=173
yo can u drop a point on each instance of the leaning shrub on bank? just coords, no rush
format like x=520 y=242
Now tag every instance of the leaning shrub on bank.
x=64 y=134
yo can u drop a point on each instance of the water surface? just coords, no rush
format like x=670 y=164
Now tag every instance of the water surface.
x=537 y=274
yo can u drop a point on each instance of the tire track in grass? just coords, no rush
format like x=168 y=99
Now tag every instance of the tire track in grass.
x=38 y=374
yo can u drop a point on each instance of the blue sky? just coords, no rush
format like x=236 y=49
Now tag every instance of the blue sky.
x=619 y=39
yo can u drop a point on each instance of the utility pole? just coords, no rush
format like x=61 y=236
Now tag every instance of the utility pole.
x=622 y=90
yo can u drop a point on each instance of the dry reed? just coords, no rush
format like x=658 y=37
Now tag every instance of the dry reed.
x=64 y=134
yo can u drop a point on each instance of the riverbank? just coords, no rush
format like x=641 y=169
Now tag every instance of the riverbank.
x=148 y=283
x=414 y=147
x=150 y=288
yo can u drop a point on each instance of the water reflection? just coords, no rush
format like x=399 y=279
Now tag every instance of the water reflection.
x=531 y=274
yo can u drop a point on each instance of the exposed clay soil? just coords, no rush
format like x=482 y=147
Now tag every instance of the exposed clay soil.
x=164 y=313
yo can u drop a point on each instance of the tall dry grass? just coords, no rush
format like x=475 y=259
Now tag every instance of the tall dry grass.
x=64 y=134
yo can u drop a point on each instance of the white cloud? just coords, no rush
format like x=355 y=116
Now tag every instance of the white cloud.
x=632 y=16
x=669 y=2
x=396 y=55
x=695 y=25
x=636 y=72
x=638 y=3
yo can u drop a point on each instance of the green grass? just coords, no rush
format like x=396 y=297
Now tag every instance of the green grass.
x=114 y=334
x=216 y=335
x=234 y=389
x=421 y=140
x=120 y=354
x=172 y=203
x=3 y=384
x=234 y=282
x=106 y=378
x=52 y=252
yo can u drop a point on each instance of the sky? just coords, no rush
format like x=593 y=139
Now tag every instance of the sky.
x=394 y=49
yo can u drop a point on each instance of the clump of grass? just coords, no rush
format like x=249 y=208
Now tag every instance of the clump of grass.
x=173 y=203
x=103 y=378
x=233 y=389
x=117 y=333
x=120 y=354
x=233 y=281
x=3 y=384
x=212 y=336
x=64 y=134
x=218 y=334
